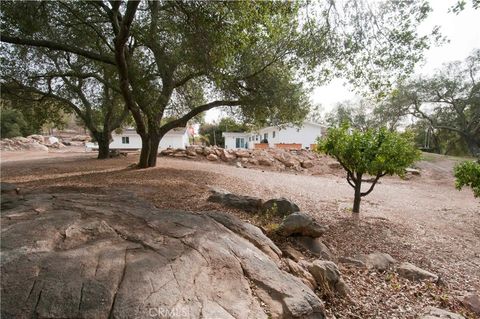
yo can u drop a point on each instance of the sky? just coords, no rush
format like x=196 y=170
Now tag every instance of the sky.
x=462 y=30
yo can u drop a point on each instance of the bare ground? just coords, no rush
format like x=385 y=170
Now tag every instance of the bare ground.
x=423 y=220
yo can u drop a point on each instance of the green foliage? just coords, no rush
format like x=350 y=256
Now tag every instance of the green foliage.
x=213 y=132
x=180 y=58
x=12 y=123
x=448 y=101
x=375 y=151
x=468 y=174
x=23 y=118
x=353 y=114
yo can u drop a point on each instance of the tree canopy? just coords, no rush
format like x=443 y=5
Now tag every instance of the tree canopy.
x=373 y=152
x=449 y=101
x=177 y=59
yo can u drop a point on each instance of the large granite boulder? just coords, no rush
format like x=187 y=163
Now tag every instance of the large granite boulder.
x=76 y=255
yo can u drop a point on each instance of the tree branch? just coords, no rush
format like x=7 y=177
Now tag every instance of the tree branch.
x=181 y=122
x=58 y=47
x=374 y=182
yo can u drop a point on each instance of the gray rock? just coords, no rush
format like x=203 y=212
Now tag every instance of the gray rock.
x=249 y=232
x=302 y=273
x=292 y=253
x=117 y=256
x=352 y=261
x=264 y=161
x=328 y=277
x=212 y=157
x=315 y=246
x=301 y=224
x=437 y=313
x=246 y=203
x=378 y=261
x=472 y=302
x=307 y=164
x=280 y=207
x=8 y=188
x=412 y=171
x=412 y=272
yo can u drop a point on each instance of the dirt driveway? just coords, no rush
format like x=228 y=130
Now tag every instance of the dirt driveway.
x=423 y=220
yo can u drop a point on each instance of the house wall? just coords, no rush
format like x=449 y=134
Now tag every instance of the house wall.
x=231 y=139
x=135 y=142
x=174 y=140
x=306 y=135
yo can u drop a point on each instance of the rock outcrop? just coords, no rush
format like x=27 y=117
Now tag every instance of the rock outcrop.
x=301 y=224
x=77 y=255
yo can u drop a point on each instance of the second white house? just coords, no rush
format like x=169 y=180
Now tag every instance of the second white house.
x=286 y=136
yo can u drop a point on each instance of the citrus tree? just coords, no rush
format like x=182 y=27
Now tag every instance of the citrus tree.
x=468 y=174
x=374 y=152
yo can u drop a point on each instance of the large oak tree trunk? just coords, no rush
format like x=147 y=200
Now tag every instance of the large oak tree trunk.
x=145 y=152
x=152 y=157
x=103 y=140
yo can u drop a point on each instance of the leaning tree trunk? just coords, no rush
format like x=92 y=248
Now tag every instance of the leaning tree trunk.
x=358 y=195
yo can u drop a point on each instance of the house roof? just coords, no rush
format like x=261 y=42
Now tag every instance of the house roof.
x=268 y=127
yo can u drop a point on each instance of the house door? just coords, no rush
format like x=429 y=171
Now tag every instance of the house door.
x=240 y=142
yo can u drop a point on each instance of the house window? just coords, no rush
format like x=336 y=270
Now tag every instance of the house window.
x=273 y=134
x=240 y=142
x=265 y=136
x=125 y=140
x=256 y=138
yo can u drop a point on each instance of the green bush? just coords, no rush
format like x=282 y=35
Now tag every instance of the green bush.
x=468 y=174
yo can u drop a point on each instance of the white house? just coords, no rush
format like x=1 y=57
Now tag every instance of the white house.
x=130 y=140
x=289 y=136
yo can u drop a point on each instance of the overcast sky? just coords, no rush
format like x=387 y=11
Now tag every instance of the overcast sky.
x=463 y=31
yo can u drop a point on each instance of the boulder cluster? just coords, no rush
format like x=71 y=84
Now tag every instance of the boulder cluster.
x=307 y=257
x=40 y=143
x=282 y=159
